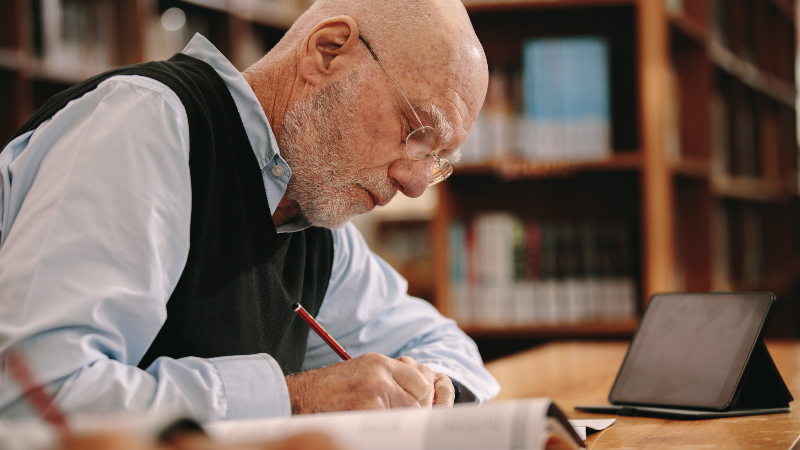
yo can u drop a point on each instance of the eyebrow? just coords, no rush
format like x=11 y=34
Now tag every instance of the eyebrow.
x=437 y=119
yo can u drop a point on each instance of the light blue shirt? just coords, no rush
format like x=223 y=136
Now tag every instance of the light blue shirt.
x=95 y=209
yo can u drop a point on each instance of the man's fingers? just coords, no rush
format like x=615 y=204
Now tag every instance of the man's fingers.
x=411 y=380
x=444 y=392
x=367 y=382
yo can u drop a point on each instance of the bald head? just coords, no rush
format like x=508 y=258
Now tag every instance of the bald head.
x=422 y=42
x=400 y=28
x=342 y=123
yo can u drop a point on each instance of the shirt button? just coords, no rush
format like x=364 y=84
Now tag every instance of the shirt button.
x=277 y=170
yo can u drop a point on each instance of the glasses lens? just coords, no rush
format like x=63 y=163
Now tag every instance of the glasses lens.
x=422 y=143
x=441 y=171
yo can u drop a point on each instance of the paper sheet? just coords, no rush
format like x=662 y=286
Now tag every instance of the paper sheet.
x=588 y=426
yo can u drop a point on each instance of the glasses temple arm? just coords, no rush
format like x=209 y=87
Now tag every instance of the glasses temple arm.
x=372 y=52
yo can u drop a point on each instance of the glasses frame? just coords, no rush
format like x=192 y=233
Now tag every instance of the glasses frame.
x=443 y=168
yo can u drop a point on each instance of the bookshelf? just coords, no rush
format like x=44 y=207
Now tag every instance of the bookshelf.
x=49 y=45
x=701 y=167
x=703 y=162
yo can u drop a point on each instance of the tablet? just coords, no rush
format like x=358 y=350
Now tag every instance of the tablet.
x=690 y=350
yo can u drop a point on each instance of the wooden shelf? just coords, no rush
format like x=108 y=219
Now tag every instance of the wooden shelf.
x=750 y=75
x=600 y=328
x=749 y=189
x=519 y=169
x=727 y=107
x=497 y=5
x=272 y=14
x=689 y=28
x=692 y=168
x=671 y=203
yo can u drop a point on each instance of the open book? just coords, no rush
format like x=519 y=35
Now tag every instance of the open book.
x=535 y=424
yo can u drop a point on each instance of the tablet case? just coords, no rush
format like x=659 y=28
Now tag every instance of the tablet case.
x=760 y=391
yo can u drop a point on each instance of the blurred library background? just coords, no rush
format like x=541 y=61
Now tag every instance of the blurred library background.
x=626 y=147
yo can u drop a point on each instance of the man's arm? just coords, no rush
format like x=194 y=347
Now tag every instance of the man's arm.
x=367 y=309
x=93 y=254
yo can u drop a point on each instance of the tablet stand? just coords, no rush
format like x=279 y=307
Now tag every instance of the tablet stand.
x=762 y=385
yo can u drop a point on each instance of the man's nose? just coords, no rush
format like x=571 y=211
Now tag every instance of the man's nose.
x=411 y=177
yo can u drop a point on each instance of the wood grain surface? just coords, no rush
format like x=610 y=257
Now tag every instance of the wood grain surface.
x=574 y=373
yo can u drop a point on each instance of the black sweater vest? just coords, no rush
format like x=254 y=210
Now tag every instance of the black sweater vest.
x=241 y=278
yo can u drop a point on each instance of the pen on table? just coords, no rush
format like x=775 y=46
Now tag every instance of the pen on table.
x=35 y=392
x=298 y=308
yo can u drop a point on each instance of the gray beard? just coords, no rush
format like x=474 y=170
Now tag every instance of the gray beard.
x=315 y=141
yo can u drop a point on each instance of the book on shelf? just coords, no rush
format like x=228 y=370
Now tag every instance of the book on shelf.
x=508 y=271
x=77 y=37
x=720 y=133
x=752 y=269
x=721 y=254
x=741 y=260
x=535 y=424
x=556 y=107
x=745 y=155
x=566 y=91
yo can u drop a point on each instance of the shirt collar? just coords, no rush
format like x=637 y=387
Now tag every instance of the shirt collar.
x=276 y=173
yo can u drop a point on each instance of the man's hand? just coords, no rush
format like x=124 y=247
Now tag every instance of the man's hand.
x=370 y=381
x=440 y=387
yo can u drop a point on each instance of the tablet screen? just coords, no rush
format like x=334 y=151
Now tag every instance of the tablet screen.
x=690 y=349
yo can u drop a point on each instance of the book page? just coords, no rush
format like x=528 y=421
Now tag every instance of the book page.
x=501 y=425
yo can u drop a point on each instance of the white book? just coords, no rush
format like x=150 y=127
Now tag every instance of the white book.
x=546 y=299
x=609 y=294
x=471 y=151
x=532 y=314
x=622 y=295
x=579 y=297
x=523 y=307
x=593 y=298
x=460 y=301
x=533 y=424
x=572 y=299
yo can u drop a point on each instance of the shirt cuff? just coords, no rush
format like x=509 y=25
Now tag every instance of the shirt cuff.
x=254 y=386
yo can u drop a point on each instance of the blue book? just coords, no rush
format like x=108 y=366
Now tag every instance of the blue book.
x=457 y=246
x=572 y=93
x=600 y=95
x=566 y=98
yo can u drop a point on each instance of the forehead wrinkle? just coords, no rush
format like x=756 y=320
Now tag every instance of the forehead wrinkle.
x=439 y=121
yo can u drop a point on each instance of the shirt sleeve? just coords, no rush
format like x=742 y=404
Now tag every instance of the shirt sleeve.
x=93 y=255
x=367 y=309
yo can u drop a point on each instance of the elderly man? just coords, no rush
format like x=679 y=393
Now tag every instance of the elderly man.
x=158 y=222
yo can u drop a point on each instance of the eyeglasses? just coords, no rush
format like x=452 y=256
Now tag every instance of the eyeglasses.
x=423 y=142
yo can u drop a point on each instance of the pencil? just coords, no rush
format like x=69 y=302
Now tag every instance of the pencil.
x=298 y=308
x=35 y=392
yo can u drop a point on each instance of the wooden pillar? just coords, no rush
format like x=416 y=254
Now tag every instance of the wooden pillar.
x=440 y=247
x=657 y=194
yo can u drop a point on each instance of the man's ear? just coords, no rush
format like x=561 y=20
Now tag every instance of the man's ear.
x=328 y=48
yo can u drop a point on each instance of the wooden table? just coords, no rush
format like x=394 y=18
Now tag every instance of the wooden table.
x=574 y=373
